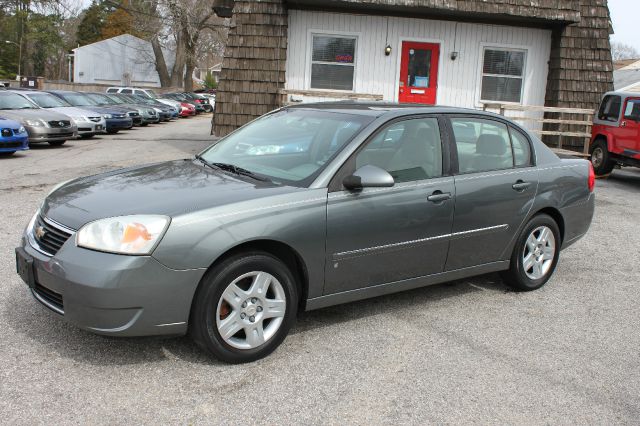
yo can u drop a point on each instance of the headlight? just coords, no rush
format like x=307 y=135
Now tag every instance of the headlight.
x=34 y=123
x=107 y=116
x=22 y=129
x=137 y=234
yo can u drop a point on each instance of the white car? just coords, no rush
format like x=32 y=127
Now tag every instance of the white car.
x=133 y=91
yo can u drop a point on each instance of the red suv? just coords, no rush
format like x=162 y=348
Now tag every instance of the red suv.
x=615 y=138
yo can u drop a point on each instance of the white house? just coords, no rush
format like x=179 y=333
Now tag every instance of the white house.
x=123 y=60
x=462 y=53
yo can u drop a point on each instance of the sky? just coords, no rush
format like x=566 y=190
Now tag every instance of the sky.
x=625 y=15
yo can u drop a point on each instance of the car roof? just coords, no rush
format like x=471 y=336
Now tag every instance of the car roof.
x=379 y=109
x=624 y=94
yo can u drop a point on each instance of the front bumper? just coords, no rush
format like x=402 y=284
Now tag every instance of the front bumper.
x=14 y=143
x=91 y=127
x=113 y=294
x=51 y=134
x=119 y=124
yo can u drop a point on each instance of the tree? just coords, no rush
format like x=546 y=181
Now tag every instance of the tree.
x=620 y=51
x=92 y=24
x=121 y=21
x=209 y=81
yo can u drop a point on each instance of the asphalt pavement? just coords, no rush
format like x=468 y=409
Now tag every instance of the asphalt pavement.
x=465 y=352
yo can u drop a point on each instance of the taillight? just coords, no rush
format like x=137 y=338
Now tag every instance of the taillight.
x=592 y=178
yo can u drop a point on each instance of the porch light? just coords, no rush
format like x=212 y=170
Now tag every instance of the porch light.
x=454 y=56
x=387 y=50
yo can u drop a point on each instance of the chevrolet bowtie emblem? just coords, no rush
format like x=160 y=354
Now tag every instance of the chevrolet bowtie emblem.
x=40 y=232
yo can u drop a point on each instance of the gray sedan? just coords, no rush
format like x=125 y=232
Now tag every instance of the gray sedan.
x=307 y=207
x=42 y=125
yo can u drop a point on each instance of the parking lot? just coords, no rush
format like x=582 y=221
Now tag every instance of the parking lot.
x=469 y=351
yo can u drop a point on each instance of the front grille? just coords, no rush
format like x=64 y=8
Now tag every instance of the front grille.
x=60 y=124
x=7 y=133
x=10 y=145
x=119 y=115
x=133 y=114
x=84 y=129
x=49 y=237
x=50 y=297
x=95 y=119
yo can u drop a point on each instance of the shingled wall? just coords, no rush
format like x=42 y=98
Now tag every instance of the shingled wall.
x=580 y=67
x=253 y=69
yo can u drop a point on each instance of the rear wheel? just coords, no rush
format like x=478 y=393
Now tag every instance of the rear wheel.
x=7 y=154
x=112 y=131
x=601 y=159
x=244 y=307
x=57 y=143
x=535 y=254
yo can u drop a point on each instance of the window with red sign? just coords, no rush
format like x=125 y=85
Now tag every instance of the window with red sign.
x=333 y=62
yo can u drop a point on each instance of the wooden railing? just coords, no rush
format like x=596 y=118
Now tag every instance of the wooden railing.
x=571 y=122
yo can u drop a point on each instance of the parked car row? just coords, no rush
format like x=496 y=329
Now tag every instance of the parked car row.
x=55 y=116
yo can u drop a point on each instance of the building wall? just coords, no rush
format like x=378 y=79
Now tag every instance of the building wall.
x=458 y=81
x=122 y=60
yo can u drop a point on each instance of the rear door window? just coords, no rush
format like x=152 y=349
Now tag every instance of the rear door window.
x=482 y=145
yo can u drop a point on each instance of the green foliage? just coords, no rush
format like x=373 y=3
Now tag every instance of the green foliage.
x=93 y=23
x=209 y=81
x=45 y=39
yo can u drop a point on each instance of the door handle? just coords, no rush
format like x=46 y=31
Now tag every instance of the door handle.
x=623 y=124
x=521 y=185
x=439 y=196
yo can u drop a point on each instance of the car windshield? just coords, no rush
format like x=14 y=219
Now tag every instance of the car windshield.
x=46 y=100
x=14 y=101
x=289 y=146
x=115 y=99
x=101 y=99
x=79 y=99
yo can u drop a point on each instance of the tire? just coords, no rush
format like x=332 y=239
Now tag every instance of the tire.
x=229 y=291
x=112 y=132
x=89 y=136
x=601 y=159
x=7 y=154
x=57 y=143
x=522 y=277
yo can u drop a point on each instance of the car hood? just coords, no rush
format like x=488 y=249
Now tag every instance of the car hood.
x=5 y=123
x=74 y=111
x=171 y=188
x=107 y=110
x=39 y=113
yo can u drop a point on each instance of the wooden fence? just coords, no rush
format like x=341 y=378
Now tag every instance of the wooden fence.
x=570 y=122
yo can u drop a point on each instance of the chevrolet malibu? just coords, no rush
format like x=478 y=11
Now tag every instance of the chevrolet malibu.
x=375 y=199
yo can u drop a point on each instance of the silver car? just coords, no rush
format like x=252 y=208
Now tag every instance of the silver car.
x=42 y=125
x=88 y=122
x=307 y=207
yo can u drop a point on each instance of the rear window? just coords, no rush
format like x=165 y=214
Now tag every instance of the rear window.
x=610 y=108
x=112 y=90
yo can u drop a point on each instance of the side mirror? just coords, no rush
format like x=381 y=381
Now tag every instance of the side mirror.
x=368 y=177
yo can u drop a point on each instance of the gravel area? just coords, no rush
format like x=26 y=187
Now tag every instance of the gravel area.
x=465 y=352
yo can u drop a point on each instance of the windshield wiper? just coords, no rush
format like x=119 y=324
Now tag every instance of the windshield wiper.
x=233 y=169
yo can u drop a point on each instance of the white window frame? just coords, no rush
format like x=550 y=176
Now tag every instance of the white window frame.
x=310 y=61
x=502 y=48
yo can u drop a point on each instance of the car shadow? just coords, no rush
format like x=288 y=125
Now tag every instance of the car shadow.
x=40 y=325
x=627 y=178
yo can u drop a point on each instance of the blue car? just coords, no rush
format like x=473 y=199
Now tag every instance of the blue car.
x=13 y=137
x=117 y=118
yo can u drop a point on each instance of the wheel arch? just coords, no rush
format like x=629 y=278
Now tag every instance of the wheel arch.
x=600 y=136
x=556 y=216
x=282 y=251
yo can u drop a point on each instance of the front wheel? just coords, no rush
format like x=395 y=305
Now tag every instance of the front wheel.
x=601 y=159
x=535 y=254
x=57 y=143
x=244 y=307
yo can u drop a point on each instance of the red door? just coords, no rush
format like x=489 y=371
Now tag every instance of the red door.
x=419 y=72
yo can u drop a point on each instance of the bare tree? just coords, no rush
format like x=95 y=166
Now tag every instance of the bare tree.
x=620 y=51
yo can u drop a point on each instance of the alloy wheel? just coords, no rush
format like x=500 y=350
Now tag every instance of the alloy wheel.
x=251 y=310
x=597 y=157
x=539 y=252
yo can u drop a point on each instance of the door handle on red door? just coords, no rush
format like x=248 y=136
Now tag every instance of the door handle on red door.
x=521 y=185
x=439 y=196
